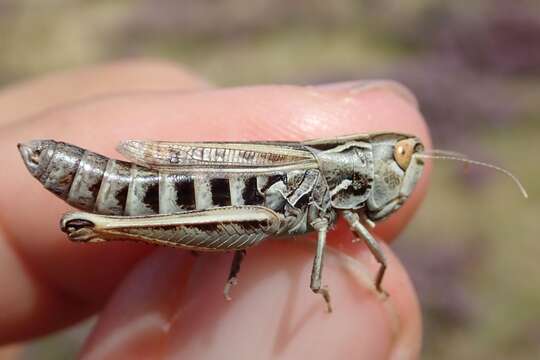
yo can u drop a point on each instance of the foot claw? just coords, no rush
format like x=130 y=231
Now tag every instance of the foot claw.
x=383 y=293
x=326 y=296
x=228 y=287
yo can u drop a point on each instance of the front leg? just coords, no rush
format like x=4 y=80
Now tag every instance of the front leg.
x=321 y=226
x=375 y=248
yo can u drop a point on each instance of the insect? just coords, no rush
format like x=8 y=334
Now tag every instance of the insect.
x=229 y=196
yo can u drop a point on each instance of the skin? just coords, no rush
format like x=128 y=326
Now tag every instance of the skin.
x=160 y=302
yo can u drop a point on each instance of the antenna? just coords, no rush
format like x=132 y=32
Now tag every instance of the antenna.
x=450 y=155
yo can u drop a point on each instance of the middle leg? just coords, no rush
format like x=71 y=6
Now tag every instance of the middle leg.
x=321 y=225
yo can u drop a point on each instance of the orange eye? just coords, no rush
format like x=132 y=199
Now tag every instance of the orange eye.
x=403 y=152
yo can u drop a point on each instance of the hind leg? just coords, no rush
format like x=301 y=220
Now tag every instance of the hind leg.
x=232 y=280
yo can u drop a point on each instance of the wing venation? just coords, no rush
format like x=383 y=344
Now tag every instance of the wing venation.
x=167 y=155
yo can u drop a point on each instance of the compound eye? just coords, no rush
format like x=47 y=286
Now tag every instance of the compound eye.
x=403 y=153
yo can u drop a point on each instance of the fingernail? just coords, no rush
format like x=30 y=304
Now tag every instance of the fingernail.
x=360 y=86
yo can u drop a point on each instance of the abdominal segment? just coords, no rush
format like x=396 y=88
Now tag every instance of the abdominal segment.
x=97 y=184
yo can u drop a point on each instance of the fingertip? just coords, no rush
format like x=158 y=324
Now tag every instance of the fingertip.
x=272 y=314
x=137 y=319
x=261 y=113
x=69 y=86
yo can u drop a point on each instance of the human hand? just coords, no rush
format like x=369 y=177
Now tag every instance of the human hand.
x=166 y=302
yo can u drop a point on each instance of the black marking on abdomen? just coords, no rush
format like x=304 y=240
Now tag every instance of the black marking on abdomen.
x=185 y=192
x=124 y=169
x=251 y=193
x=112 y=196
x=62 y=169
x=221 y=192
x=87 y=181
x=100 y=164
x=151 y=198
x=121 y=196
x=272 y=179
x=143 y=193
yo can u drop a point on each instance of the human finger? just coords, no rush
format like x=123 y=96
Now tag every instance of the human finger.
x=22 y=100
x=71 y=276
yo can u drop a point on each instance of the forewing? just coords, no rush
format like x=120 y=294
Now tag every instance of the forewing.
x=167 y=155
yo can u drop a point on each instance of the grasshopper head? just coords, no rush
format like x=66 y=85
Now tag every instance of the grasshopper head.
x=396 y=172
x=376 y=174
x=36 y=155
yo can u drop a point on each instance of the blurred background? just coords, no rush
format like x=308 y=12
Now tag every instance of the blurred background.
x=472 y=250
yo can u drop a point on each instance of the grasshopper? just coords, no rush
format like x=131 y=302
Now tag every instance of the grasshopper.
x=229 y=196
